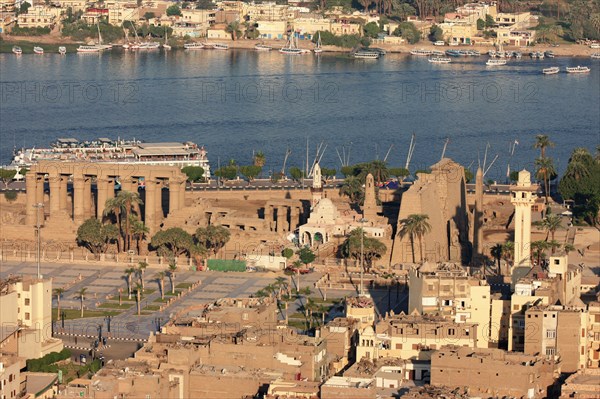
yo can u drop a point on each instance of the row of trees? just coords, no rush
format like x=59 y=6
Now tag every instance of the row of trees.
x=175 y=242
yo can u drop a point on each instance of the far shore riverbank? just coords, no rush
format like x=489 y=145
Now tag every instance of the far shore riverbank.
x=51 y=43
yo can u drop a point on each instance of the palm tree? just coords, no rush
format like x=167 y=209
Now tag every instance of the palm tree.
x=416 y=225
x=259 y=159
x=129 y=272
x=352 y=188
x=496 y=252
x=160 y=277
x=113 y=205
x=508 y=251
x=545 y=170
x=139 y=231
x=172 y=270
x=538 y=248
x=554 y=245
x=81 y=295
x=234 y=29
x=128 y=201
x=58 y=292
x=542 y=142
x=281 y=284
x=379 y=170
x=551 y=223
x=140 y=270
x=138 y=294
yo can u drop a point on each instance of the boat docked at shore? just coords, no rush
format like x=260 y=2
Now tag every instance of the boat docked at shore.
x=262 y=47
x=318 y=48
x=421 y=52
x=88 y=49
x=439 y=60
x=578 y=69
x=551 y=71
x=220 y=46
x=292 y=48
x=366 y=54
x=494 y=62
x=17 y=50
x=595 y=56
x=166 y=44
x=193 y=46
x=38 y=50
x=62 y=50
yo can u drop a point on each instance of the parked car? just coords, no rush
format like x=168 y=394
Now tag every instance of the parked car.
x=439 y=43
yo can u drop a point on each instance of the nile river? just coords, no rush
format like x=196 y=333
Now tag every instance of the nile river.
x=239 y=101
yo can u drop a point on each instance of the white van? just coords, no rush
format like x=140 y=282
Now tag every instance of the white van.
x=439 y=43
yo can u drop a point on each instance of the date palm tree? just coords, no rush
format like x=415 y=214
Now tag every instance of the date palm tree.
x=172 y=270
x=129 y=272
x=58 y=292
x=553 y=245
x=113 y=206
x=259 y=159
x=545 y=170
x=538 y=248
x=508 y=251
x=496 y=251
x=550 y=223
x=416 y=225
x=139 y=231
x=138 y=297
x=81 y=296
x=160 y=277
x=128 y=201
x=542 y=142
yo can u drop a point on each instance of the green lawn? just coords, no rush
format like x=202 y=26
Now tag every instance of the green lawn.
x=152 y=308
x=113 y=305
x=299 y=324
x=76 y=313
x=160 y=300
x=183 y=285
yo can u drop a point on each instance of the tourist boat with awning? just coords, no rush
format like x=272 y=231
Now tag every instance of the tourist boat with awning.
x=551 y=71
x=220 y=46
x=421 y=52
x=193 y=46
x=439 y=60
x=366 y=54
x=495 y=62
x=578 y=69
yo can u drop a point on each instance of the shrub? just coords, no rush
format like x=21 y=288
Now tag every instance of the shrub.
x=10 y=196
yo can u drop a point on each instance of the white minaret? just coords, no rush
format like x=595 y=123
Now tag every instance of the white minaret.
x=523 y=196
x=317 y=187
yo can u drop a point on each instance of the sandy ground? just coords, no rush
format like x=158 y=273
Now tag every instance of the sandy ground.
x=564 y=50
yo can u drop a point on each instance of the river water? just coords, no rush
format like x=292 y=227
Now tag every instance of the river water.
x=239 y=101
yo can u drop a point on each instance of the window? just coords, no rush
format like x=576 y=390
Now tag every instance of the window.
x=27 y=301
x=398 y=346
x=27 y=316
x=515 y=307
x=551 y=334
x=451 y=331
x=550 y=351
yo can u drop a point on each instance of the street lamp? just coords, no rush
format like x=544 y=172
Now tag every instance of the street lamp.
x=38 y=226
x=362 y=255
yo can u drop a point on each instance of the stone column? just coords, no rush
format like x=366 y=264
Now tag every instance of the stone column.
x=294 y=218
x=78 y=199
x=158 y=204
x=54 y=180
x=281 y=219
x=150 y=204
x=102 y=196
x=173 y=195
x=87 y=197
x=39 y=193
x=64 y=180
x=182 y=195
x=31 y=184
x=269 y=216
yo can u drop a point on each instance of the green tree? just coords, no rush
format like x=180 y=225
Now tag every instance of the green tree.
x=371 y=30
x=489 y=21
x=129 y=202
x=480 y=24
x=469 y=175
x=149 y=15
x=140 y=272
x=508 y=251
x=436 y=33
x=306 y=256
x=58 y=292
x=296 y=173
x=550 y=224
x=95 y=236
x=138 y=231
x=172 y=242
x=250 y=172
x=408 y=31
x=399 y=173
x=538 y=249
x=514 y=176
x=259 y=159
x=81 y=296
x=172 y=270
x=174 y=10
x=497 y=251
x=205 y=5
x=212 y=237
x=545 y=172
x=6 y=175
x=228 y=172
x=287 y=253
x=234 y=29
x=416 y=225
x=372 y=248
x=194 y=173
x=542 y=142
x=353 y=189
x=328 y=173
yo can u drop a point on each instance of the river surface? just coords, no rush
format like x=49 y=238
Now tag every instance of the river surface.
x=239 y=101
